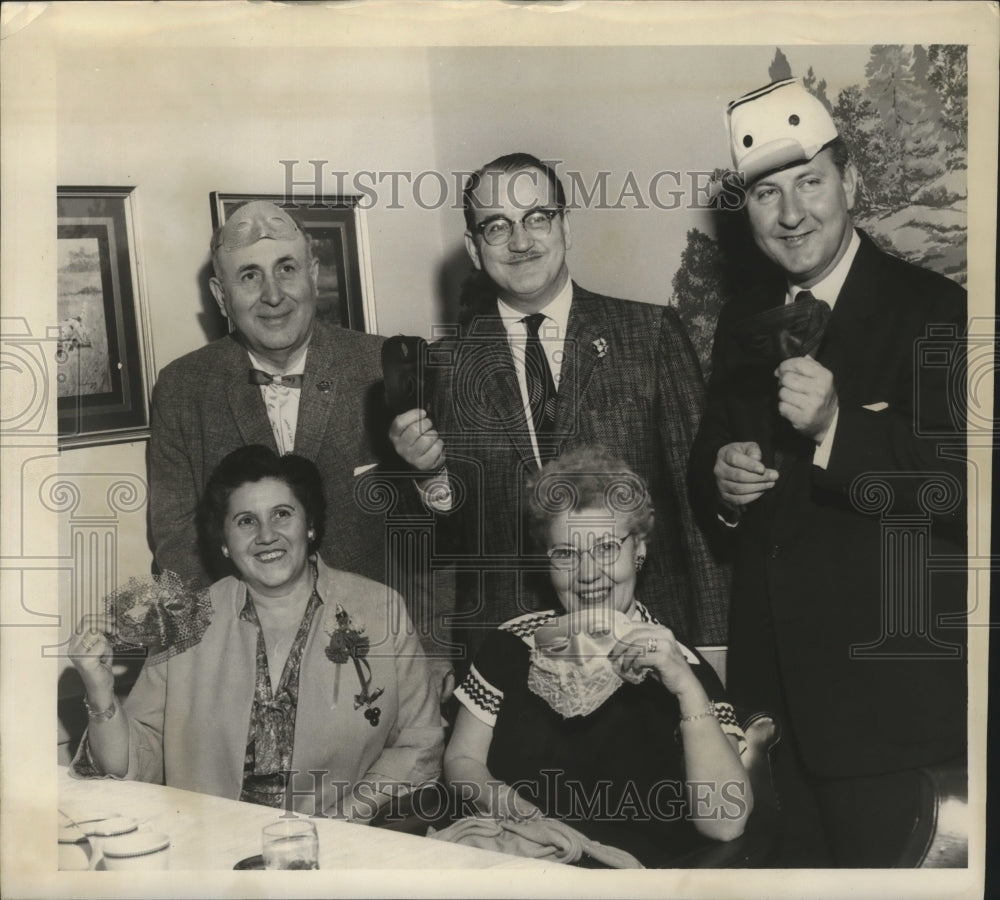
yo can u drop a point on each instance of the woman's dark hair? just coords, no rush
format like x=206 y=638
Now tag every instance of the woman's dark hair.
x=248 y=465
x=586 y=477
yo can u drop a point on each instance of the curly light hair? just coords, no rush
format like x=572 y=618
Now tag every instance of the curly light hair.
x=587 y=477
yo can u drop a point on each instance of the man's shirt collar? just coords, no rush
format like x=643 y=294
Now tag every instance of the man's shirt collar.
x=557 y=310
x=829 y=288
x=296 y=363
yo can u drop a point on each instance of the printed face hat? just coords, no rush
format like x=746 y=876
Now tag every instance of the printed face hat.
x=252 y=222
x=776 y=126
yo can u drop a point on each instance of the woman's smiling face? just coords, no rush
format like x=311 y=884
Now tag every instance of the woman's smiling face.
x=588 y=581
x=266 y=535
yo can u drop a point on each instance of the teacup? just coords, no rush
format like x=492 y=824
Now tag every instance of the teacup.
x=104 y=832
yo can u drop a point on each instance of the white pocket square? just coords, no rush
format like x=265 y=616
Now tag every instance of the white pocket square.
x=876 y=407
x=360 y=470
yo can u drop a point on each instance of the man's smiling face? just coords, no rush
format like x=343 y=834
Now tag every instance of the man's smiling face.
x=530 y=269
x=800 y=216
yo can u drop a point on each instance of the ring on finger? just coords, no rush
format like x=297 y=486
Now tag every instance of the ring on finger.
x=651 y=645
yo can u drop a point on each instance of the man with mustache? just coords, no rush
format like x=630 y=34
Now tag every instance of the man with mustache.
x=541 y=365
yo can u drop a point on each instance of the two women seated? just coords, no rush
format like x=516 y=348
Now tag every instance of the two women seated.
x=593 y=714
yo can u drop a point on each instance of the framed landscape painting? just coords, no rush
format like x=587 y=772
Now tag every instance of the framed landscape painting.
x=103 y=355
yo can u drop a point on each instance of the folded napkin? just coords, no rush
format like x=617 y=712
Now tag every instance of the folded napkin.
x=537 y=839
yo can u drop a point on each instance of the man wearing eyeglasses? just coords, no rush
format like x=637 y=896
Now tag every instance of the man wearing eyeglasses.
x=542 y=365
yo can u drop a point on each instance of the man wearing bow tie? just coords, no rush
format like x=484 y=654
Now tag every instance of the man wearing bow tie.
x=542 y=365
x=282 y=378
x=835 y=459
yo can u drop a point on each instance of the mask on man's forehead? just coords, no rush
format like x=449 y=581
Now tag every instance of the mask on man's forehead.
x=255 y=221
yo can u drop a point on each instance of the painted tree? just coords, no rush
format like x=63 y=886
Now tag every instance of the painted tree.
x=910 y=106
x=779 y=68
x=817 y=89
x=873 y=150
x=699 y=292
x=948 y=74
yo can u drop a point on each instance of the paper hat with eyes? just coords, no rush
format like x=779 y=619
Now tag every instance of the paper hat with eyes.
x=252 y=222
x=777 y=126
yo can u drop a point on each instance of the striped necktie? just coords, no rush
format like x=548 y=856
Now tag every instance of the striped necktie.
x=541 y=387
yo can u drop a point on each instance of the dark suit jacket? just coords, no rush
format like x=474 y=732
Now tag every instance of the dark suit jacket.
x=641 y=398
x=204 y=407
x=836 y=618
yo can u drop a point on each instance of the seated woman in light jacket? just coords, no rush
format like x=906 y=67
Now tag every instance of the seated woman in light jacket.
x=595 y=714
x=308 y=689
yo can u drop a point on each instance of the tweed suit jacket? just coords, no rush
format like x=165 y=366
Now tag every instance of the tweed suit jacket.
x=630 y=381
x=204 y=408
x=839 y=619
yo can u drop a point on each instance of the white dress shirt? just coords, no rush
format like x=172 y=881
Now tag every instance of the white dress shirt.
x=282 y=402
x=436 y=492
x=828 y=290
x=552 y=335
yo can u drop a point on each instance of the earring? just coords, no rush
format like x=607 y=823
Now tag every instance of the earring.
x=311 y=534
x=225 y=552
x=639 y=560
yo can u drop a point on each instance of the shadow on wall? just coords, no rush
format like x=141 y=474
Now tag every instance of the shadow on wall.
x=212 y=323
x=455 y=269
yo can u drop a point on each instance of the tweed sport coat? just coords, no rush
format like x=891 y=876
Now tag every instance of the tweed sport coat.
x=630 y=381
x=833 y=620
x=204 y=407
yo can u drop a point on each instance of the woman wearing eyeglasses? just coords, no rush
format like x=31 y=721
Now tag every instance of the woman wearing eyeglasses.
x=595 y=714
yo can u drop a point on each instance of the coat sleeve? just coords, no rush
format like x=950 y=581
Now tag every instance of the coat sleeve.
x=173 y=488
x=715 y=431
x=412 y=753
x=682 y=397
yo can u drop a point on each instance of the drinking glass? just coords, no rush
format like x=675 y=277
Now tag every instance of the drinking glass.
x=291 y=844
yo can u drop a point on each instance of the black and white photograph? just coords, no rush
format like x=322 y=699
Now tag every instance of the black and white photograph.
x=496 y=449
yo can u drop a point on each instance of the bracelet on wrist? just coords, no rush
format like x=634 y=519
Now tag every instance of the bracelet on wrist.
x=708 y=713
x=101 y=715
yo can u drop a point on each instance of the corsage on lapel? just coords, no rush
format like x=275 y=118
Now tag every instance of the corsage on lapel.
x=348 y=641
x=601 y=346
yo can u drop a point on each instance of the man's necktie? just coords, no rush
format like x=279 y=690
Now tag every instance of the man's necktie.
x=541 y=387
x=257 y=376
x=804 y=295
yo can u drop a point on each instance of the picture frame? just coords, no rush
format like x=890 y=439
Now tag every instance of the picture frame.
x=339 y=234
x=103 y=357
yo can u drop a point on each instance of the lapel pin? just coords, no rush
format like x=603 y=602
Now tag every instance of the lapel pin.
x=601 y=346
x=323 y=387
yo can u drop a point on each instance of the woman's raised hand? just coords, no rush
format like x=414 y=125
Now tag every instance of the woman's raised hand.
x=91 y=652
x=653 y=647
